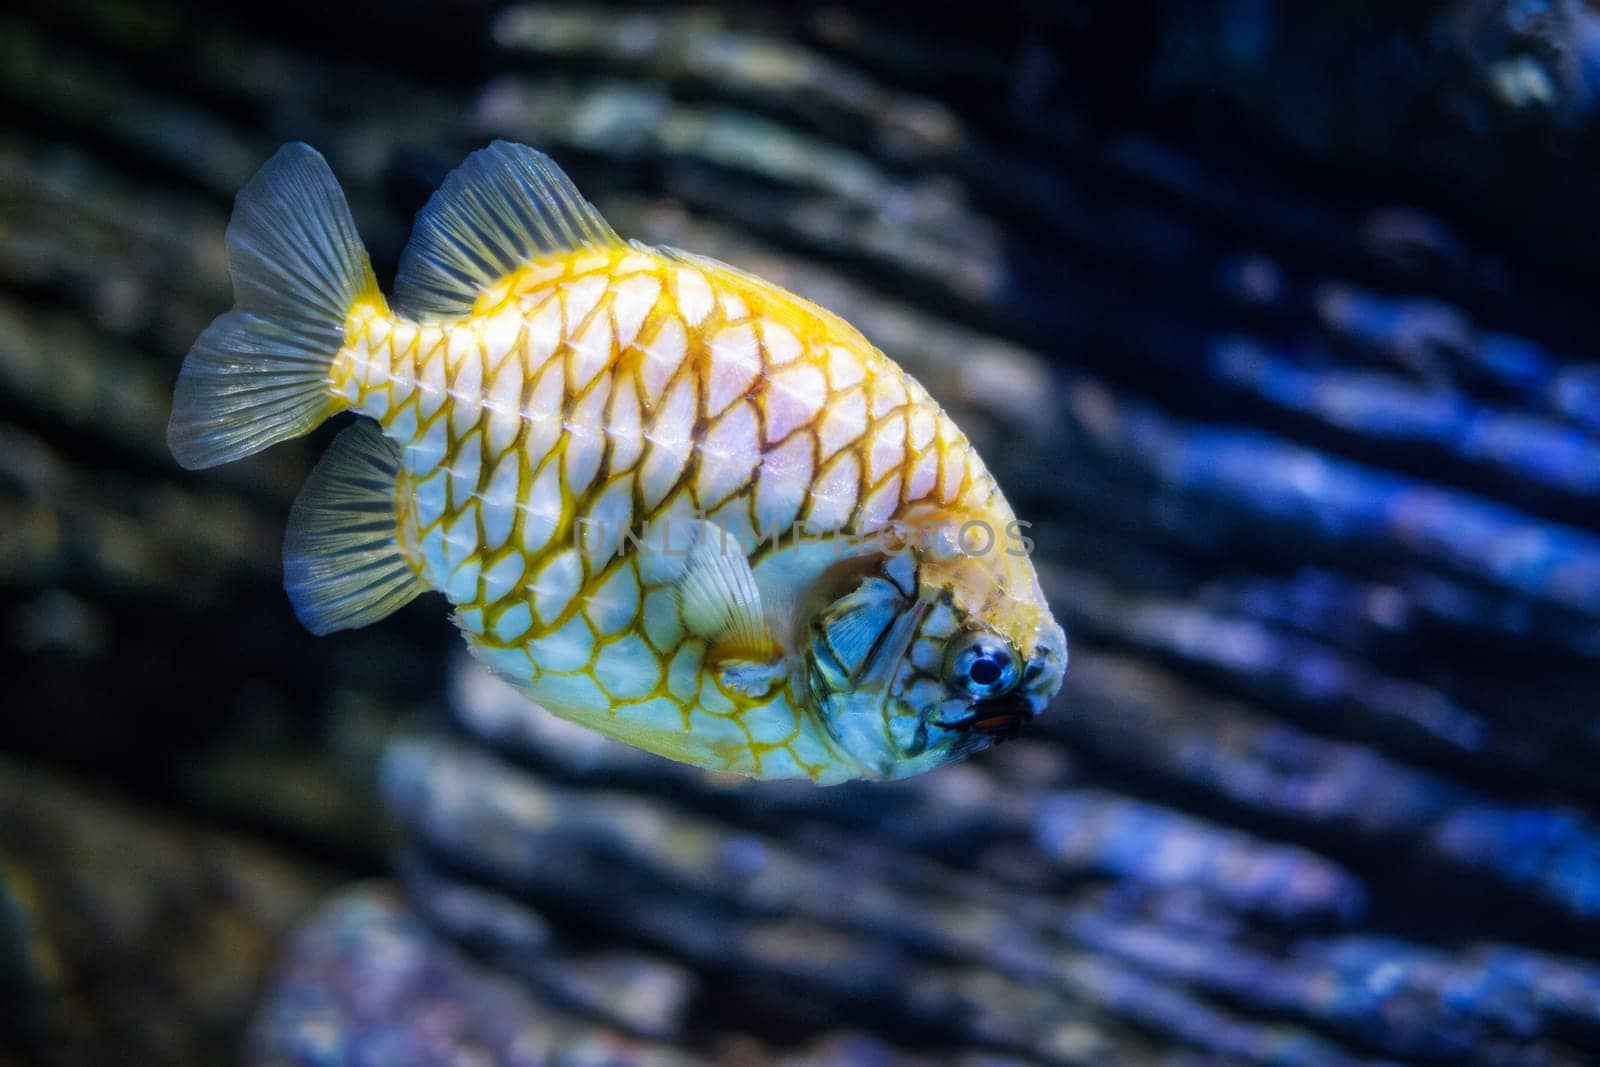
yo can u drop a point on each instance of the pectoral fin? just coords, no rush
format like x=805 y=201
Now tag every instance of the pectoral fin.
x=719 y=600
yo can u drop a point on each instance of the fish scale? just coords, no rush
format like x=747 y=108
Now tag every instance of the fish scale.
x=564 y=435
x=744 y=384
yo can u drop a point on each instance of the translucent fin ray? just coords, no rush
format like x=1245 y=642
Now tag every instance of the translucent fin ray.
x=506 y=205
x=259 y=373
x=342 y=566
x=718 y=597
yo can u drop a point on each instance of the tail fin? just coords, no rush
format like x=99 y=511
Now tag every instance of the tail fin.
x=260 y=373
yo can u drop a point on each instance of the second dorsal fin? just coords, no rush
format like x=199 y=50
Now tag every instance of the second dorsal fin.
x=501 y=208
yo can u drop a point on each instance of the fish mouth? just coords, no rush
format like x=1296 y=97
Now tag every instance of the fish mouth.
x=999 y=719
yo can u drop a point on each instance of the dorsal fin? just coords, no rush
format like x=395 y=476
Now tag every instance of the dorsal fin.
x=504 y=206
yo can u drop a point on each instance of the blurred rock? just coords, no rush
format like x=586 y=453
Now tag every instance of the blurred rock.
x=365 y=982
x=131 y=937
x=870 y=931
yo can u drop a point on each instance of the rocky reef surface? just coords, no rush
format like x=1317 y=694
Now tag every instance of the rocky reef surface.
x=1277 y=322
x=113 y=916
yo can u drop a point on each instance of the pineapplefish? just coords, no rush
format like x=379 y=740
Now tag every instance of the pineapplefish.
x=668 y=500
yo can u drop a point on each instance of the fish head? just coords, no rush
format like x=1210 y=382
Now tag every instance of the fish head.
x=922 y=656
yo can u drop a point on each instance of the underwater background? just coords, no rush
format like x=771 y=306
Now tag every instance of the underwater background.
x=1277 y=320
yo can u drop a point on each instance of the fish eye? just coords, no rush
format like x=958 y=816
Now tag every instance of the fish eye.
x=982 y=666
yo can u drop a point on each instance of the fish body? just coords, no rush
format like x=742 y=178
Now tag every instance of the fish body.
x=668 y=500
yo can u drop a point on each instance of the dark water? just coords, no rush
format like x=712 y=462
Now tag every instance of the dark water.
x=1276 y=320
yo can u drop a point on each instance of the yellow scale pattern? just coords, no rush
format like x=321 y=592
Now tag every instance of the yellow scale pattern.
x=592 y=393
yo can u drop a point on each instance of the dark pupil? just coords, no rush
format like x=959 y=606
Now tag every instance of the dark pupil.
x=984 y=671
